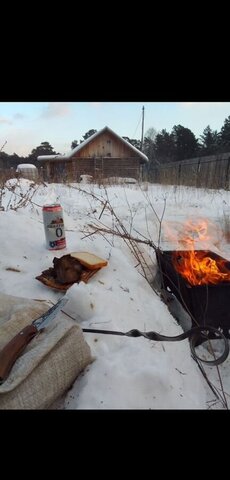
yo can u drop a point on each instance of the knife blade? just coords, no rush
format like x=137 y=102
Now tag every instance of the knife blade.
x=15 y=347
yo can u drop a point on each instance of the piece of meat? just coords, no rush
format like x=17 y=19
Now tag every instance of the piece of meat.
x=67 y=269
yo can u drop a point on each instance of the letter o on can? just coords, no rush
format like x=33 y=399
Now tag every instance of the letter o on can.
x=58 y=232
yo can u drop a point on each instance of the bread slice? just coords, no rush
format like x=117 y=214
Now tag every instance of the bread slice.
x=89 y=260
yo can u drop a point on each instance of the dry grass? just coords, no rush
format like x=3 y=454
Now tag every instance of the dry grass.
x=225 y=225
x=17 y=198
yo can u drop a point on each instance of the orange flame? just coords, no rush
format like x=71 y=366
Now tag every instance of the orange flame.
x=197 y=266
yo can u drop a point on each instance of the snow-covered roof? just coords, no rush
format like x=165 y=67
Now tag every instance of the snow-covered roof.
x=52 y=157
x=22 y=166
x=88 y=140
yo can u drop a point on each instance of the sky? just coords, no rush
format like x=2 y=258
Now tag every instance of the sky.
x=127 y=373
x=24 y=125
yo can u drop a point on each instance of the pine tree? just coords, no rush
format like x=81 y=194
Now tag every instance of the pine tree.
x=209 y=141
x=89 y=134
x=134 y=142
x=186 y=144
x=74 y=144
x=164 y=147
x=225 y=135
x=44 y=149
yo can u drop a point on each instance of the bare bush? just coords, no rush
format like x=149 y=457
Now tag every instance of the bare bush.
x=225 y=224
x=14 y=196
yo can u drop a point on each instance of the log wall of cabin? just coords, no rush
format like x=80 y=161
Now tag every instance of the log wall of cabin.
x=106 y=167
x=105 y=145
x=96 y=167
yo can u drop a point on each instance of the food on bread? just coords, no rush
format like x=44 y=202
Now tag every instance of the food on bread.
x=67 y=269
x=48 y=278
x=89 y=260
x=71 y=268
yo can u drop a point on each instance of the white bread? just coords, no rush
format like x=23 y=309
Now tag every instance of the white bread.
x=89 y=260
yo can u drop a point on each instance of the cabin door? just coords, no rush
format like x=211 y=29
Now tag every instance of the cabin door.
x=98 y=167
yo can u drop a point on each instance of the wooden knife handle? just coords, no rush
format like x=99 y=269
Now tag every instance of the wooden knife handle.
x=14 y=348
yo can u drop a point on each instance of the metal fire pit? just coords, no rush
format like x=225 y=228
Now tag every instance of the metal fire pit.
x=206 y=304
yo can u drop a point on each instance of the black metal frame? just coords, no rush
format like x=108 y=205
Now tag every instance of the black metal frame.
x=206 y=304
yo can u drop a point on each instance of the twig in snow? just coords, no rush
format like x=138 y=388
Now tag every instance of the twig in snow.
x=182 y=373
x=102 y=210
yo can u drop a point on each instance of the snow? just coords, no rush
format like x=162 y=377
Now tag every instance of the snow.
x=127 y=373
x=85 y=179
x=120 y=180
x=26 y=166
x=53 y=157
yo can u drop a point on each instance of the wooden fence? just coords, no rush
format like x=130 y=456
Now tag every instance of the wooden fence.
x=206 y=172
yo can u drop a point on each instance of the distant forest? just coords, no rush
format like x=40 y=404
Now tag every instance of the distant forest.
x=160 y=147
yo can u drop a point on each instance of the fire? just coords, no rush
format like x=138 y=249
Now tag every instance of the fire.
x=199 y=267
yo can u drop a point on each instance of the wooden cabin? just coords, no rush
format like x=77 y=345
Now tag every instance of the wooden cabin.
x=105 y=154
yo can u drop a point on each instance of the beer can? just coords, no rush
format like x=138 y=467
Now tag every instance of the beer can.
x=54 y=226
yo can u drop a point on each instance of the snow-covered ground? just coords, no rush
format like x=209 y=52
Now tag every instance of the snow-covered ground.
x=127 y=373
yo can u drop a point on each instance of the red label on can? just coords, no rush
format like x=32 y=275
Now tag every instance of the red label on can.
x=56 y=207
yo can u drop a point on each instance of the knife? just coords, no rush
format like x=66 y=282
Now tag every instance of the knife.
x=15 y=347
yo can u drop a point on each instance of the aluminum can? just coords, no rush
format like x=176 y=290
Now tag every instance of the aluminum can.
x=54 y=226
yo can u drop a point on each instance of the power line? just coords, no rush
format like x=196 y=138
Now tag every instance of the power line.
x=133 y=136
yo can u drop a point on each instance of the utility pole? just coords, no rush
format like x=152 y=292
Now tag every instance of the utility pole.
x=3 y=146
x=142 y=130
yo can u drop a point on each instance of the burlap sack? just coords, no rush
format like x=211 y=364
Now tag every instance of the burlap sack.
x=51 y=361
